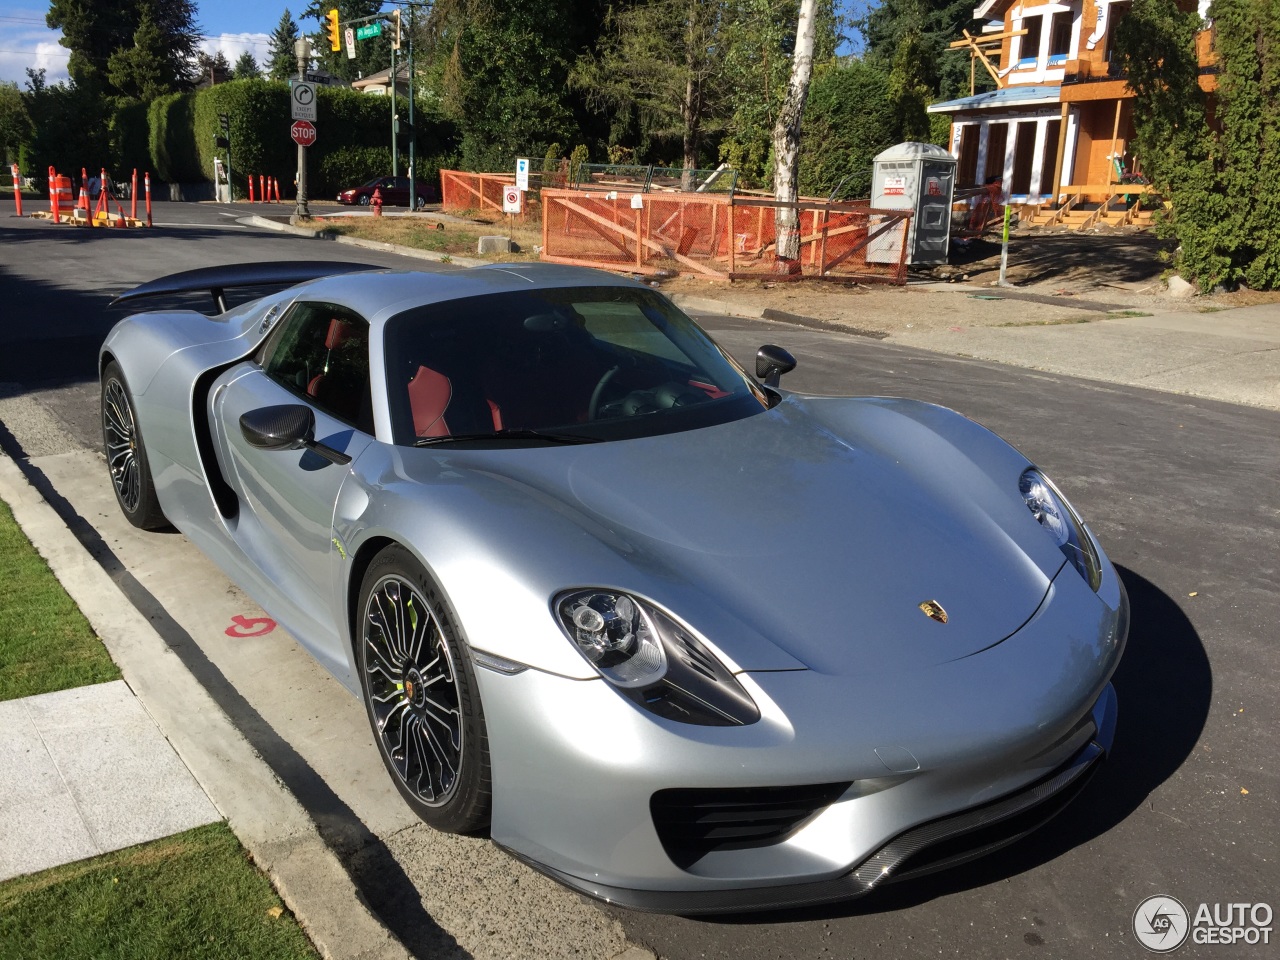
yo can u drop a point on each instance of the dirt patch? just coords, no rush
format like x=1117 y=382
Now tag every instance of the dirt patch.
x=440 y=233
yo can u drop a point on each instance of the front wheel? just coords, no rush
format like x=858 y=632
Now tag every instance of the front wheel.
x=126 y=455
x=420 y=694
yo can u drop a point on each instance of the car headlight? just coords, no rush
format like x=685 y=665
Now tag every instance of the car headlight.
x=652 y=659
x=1062 y=523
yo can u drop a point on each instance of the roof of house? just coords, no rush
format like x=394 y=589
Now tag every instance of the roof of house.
x=1016 y=96
x=382 y=78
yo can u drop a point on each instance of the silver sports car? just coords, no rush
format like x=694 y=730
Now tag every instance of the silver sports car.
x=679 y=638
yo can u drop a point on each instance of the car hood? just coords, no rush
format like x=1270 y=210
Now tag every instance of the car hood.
x=824 y=524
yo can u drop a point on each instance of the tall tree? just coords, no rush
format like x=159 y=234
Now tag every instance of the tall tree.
x=138 y=71
x=786 y=142
x=501 y=69
x=935 y=24
x=282 y=63
x=246 y=68
x=909 y=87
x=661 y=60
x=95 y=29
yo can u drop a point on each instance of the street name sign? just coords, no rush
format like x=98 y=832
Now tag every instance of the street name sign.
x=303 y=133
x=369 y=30
x=302 y=98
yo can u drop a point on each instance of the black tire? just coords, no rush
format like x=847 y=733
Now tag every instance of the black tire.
x=420 y=689
x=126 y=454
x=421 y=203
x=364 y=200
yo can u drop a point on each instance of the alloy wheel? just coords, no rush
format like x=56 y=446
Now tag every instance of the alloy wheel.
x=413 y=690
x=122 y=445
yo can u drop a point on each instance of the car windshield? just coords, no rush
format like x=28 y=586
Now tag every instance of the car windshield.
x=599 y=363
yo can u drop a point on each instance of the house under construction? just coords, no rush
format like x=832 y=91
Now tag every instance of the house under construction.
x=1055 y=131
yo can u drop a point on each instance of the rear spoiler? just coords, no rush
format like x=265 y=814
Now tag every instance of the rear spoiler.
x=217 y=279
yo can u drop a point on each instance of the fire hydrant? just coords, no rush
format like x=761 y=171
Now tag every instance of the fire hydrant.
x=376 y=202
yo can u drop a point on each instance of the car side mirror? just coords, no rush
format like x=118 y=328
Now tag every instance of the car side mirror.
x=771 y=363
x=286 y=426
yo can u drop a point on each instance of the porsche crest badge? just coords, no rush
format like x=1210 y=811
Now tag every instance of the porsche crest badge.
x=933 y=610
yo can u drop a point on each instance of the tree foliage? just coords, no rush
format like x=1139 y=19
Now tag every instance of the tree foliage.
x=139 y=71
x=246 y=68
x=661 y=62
x=281 y=61
x=503 y=73
x=934 y=24
x=1220 y=176
x=851 y=116
x=94 y=30
x=15 y=124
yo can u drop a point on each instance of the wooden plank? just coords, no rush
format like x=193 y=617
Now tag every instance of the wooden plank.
x=1062 y=149
x=984 y=38
x=609 y=225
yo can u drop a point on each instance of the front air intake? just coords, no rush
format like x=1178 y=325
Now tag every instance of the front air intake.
x=693 y=823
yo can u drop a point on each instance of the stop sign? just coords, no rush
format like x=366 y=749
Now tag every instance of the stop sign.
x=303 y=133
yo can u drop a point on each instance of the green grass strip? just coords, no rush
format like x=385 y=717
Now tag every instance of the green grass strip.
x=194 y=895
x=46 y=643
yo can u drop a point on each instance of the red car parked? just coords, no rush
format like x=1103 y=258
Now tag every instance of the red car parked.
x=395 y=192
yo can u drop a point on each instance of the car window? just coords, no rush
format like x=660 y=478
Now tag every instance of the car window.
x=321 y=353
x=599 y=362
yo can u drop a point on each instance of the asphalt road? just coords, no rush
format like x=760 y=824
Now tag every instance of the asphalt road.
x=1182 y=493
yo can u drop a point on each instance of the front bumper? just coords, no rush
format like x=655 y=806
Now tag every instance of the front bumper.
x=936 y=767
x=938 y=845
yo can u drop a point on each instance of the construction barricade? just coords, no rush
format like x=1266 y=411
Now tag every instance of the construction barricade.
x=722 y=237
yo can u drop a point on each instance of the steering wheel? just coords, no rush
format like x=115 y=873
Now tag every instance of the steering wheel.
x=593 y=408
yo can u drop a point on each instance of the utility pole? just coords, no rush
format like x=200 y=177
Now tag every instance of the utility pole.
x=412 y=129
x=395 y=153
x=302 y=50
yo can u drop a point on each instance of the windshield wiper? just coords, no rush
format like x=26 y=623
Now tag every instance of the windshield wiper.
x=506 y=435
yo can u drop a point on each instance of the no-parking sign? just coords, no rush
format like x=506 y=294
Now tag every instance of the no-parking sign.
x=512 y=200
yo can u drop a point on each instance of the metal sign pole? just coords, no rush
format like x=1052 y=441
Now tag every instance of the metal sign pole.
x=300 y=212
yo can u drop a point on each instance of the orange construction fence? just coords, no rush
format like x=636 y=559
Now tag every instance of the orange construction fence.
x=460 y=190
x=721 y=237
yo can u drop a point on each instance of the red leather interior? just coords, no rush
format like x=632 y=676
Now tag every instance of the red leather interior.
x=429 y=396
x=339 y=332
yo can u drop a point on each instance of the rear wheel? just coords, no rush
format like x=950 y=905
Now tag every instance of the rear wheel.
x=126 y=455
x=364 y=200
x=420 y=694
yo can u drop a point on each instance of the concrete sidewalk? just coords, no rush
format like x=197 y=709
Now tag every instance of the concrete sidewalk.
x=86 y=771
x=266 y=818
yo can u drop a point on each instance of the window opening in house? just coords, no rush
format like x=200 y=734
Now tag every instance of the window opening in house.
x=1115 y=17
x=997 y=141
x=1024 y=148
x=1052 y=131
x=1060 y=37
x=967 y=168
x=1029 y=51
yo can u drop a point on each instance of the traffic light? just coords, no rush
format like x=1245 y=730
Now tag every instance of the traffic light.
x=395 y=41
x=335 y=32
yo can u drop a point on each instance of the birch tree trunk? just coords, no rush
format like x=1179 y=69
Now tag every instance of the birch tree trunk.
x=786 y=143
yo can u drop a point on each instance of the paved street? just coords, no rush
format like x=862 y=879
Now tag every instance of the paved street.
x=1181 y=491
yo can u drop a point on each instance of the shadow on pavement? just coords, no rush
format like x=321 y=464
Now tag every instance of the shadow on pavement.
x=382 y=882
x=1164 y=685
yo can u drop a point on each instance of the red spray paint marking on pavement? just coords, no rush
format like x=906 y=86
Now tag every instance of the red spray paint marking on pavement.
x=242 y=626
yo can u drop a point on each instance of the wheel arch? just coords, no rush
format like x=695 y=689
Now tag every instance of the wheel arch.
x=359 y=565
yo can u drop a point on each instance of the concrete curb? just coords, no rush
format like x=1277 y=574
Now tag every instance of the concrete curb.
x=263 y=814
x=319 y=234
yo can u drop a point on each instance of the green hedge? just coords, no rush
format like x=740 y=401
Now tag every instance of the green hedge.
x=129 y=133
x=352 y=142
x=174 y=156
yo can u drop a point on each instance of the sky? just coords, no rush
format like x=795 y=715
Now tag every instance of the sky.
x=232 y=26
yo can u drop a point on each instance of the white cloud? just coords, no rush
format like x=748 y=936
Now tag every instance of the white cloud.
x=25 y=42
x=233 y=45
